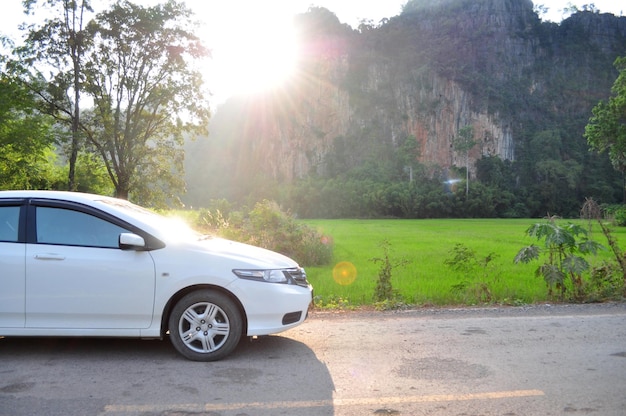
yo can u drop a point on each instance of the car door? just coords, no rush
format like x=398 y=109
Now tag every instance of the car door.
x=77 y=277
x=12 y=274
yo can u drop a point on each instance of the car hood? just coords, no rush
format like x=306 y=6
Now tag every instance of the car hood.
x=245 y=254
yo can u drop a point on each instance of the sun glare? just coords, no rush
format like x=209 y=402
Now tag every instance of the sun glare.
x=259 y=61
x=251 y=52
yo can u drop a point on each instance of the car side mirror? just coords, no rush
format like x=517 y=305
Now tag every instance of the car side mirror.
x=129 y=241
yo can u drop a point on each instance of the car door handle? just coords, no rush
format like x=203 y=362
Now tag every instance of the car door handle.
x=49 y=256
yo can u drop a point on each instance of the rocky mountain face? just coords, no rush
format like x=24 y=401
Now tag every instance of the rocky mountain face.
x=490 y=65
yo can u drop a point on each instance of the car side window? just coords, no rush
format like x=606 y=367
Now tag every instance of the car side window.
x=9 y=223
x=74 y=228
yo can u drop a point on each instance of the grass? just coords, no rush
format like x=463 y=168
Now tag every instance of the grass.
x=426 y=244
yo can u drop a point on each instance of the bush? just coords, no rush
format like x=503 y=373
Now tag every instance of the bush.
x=615 y=213
x=620 y=216
x=267 y=226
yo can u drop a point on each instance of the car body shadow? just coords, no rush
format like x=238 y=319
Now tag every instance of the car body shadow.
x=264 y=376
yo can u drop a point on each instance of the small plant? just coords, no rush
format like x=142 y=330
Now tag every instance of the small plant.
x=464 y=260
x=389 y=305
x=384 y=289
x=606 y=283
x=604 y=276
x=333 y=302
x=564 y=248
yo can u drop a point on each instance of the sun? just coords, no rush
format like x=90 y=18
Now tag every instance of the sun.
x=256 y=61
x=253 y=50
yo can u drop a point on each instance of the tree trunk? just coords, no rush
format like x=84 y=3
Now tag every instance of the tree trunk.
x=75 y=53
x=71 y=180
x=122 y=192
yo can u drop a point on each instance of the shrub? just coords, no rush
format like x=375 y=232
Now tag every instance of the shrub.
x=615 y=213
x=620 y=216
x=268 y=226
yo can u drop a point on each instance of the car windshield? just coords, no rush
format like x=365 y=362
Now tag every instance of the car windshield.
x=173 y=228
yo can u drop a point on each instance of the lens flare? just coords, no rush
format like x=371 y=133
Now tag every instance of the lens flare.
x=344 y=273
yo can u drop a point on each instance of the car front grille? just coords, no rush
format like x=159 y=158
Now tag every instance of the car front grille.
x=298 y=275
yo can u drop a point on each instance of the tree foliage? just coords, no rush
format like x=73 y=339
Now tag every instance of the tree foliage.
x=606 y=130
x=26 y=139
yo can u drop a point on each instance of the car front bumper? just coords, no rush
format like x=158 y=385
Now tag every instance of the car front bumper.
x=271 y=308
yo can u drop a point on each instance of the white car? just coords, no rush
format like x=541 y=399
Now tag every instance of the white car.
x=74 y=264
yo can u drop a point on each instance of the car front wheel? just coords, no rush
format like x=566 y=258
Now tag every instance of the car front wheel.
x=205 y=326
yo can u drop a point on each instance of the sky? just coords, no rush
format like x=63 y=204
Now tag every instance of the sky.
x=252 y=40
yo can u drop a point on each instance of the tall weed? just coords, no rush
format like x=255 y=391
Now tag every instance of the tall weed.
x=478 y=274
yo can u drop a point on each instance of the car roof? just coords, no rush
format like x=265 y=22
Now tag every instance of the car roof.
x=64 y=195
x=78 y=197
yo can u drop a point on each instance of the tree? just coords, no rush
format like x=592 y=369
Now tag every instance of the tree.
x=606 y=129
x=25 y=140
x=554 y=173
x=463 y=143
x=58 y=45
x=408 y=154
x=146 y=95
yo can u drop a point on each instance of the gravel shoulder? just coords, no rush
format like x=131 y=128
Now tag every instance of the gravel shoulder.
x=547 y=309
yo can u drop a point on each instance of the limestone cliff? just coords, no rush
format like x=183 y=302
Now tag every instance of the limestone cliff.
x=427 y=73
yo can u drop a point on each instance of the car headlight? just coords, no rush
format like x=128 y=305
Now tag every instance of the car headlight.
x=272 y=276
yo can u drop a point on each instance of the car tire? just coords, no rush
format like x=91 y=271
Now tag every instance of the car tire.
x=205 y=326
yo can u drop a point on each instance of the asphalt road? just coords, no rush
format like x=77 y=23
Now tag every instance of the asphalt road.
x=540 y=360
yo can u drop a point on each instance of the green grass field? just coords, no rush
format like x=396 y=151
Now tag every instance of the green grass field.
x=426 y=244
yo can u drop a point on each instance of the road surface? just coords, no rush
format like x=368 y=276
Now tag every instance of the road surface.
x=539 y=360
